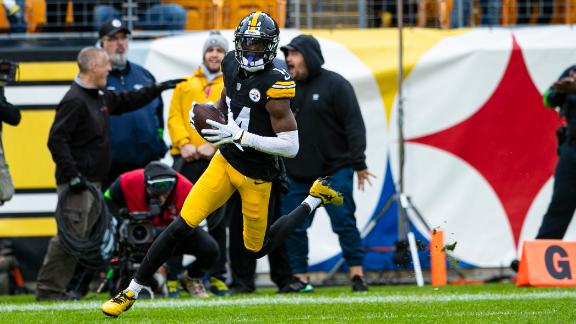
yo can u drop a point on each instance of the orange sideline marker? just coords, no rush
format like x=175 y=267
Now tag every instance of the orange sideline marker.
x=547 y=263
x=437 y=259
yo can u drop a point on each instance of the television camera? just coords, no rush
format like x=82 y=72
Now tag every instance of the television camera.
x=135 y=234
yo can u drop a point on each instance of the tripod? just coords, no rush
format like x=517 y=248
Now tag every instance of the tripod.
x=401 y=198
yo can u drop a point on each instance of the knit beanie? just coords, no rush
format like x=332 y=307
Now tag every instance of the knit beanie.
x=215 y=39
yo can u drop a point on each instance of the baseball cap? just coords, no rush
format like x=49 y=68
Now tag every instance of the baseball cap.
x=113 y=26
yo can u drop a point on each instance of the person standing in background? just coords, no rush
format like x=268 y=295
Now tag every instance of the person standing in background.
x=562 y=94
x=79 y=142
x=137 y=136
x=191 y=152
x=332 y=143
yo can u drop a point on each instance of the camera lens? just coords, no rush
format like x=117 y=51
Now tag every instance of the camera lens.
x=140 y=233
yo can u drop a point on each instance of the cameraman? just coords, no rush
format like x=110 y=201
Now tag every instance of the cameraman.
x=161 y=191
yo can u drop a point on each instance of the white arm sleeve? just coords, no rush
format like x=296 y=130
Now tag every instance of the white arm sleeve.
x=284 y=144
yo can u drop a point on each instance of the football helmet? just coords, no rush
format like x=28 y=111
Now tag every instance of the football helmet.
x=256 y=40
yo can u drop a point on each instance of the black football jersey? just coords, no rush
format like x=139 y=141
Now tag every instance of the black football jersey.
x=247 y=98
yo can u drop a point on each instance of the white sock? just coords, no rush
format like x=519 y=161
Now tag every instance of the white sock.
x=135 y=287
x=313 y=202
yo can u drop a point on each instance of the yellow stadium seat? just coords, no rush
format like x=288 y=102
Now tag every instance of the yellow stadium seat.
x=235 y=10
x=508 y=12
x=200 y=14
x=564 y=12
x=434 y=13
x=4 y=24
x=35 y=14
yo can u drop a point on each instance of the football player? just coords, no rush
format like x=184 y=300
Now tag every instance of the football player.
x=260 y=129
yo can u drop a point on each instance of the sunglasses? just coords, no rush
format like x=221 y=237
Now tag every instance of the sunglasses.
x=161 y=185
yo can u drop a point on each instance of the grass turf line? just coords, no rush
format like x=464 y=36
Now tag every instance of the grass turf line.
x=488 y=303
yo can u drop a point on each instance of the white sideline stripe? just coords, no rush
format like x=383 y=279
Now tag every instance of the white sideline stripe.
x=297 y=300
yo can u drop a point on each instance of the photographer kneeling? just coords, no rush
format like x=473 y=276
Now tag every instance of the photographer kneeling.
x=159 y=191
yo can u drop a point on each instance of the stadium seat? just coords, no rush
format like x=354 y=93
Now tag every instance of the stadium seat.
x=234 y=10
x=564 y=12
x=35 y=14
x=200 y=14
x=434 y=13
x=4 y=24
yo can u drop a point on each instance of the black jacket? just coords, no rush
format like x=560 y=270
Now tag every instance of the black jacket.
x=8 y=113
x=79 y=139
x=330 y=125
x=566 y=102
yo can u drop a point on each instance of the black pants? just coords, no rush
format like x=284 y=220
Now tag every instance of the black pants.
x=563 y=203
x=202 y=246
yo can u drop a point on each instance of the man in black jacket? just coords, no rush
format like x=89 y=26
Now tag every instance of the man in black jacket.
x=332 y=143
x=562 y=94
x=79 y=142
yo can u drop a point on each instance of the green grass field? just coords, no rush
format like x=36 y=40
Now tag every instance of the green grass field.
x=493 y=303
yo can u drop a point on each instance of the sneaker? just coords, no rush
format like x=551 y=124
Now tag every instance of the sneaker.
x=321 y=189
x=195 y=287
x=173 y=289
x=358 y=284
x=296 y=285
x=119 y=304
x=218 y=287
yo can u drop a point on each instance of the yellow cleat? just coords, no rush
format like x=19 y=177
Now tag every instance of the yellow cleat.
x=119 y=304
x=321 y=189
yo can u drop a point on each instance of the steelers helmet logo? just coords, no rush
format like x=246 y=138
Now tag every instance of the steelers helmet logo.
x=254 y=95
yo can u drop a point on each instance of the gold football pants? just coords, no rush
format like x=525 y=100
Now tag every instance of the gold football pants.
x=215 y=187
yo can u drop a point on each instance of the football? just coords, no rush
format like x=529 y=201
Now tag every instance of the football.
x=203 y=112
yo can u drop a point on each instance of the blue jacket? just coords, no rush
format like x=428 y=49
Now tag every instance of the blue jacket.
x=136 y=137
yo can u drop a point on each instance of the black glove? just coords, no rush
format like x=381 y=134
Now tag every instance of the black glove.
x=170 y=84
x=78 y=184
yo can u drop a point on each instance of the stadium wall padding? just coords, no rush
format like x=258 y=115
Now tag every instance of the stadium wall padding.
x=480 y=145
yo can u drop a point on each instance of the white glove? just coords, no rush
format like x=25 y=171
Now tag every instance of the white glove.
x=223 y=133
x=191 y=115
